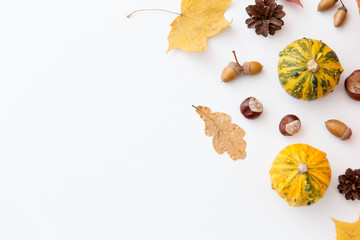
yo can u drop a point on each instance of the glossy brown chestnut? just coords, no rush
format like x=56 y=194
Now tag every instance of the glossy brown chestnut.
x=289 y=125
x=352 y=85
x=251 y=108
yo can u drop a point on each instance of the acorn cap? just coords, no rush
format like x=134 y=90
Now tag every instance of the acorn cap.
x=343 y=8
x=237 y=68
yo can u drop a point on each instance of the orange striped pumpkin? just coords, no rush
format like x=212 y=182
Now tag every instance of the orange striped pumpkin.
x=300 y=174
x=309 y=69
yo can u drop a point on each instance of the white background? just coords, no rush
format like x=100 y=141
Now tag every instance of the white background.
x=98 y=139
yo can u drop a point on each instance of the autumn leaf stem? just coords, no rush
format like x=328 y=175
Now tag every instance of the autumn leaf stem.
x=236 y=57
x=154 y=9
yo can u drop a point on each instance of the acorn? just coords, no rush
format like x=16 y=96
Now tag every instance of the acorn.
x=326 y=4
x=340 y=16
x=338 y=129
x=234 y=69
x=252 y=68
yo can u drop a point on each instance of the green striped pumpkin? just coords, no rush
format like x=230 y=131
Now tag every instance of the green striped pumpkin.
x=300 y=174
x=308 y=69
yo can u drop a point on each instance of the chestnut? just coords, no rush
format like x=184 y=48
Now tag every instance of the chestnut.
x=251 y=108
x=352 y=85
x=289 y=125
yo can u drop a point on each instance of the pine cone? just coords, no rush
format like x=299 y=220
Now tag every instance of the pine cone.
x=265 y=17
x=349 y=184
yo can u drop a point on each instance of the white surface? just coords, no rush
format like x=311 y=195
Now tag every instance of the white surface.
x=98 y=139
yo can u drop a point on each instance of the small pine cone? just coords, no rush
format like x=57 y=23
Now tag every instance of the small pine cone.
x=349 y=184
x=265 y=17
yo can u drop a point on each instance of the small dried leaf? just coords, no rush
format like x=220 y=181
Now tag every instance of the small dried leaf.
x=347 y=231
x=358 y=2
x=227 y=136
x=297 y=2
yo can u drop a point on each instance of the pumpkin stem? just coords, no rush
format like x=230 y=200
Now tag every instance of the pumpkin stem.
x=313 y=66
x=302 y=168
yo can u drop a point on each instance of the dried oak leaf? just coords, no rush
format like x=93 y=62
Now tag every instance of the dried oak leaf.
x=227 y=136
x=347 y=231
x=298 y=2
x=199 y=19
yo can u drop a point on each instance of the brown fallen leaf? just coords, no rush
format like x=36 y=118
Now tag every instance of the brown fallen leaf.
x=347 y=231
x=297 y=2
x=227 y=136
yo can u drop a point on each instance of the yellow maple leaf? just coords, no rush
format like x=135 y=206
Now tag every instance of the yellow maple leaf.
x=227 y=136
x=347 y=231
x=199 y=19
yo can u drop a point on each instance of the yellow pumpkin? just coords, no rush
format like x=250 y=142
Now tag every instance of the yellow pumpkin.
x=300 y=174
x=308 y=69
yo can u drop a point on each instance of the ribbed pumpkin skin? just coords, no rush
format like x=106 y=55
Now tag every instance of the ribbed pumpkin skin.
x=293 y=71
x=300 y=189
